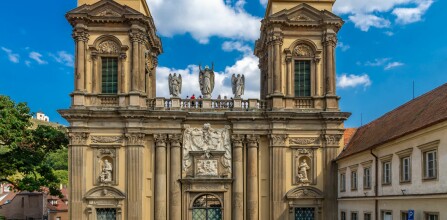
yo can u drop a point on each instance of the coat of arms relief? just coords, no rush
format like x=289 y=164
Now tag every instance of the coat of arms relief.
x=206 y=151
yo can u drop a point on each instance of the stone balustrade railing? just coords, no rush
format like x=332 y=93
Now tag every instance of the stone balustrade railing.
x=206 y=104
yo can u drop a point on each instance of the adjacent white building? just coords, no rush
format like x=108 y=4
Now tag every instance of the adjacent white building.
x=397 y=163
x=41 y=116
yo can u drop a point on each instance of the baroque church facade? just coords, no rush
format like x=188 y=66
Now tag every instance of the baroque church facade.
x=133 y=155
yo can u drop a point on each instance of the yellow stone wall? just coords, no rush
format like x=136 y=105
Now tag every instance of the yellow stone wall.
x=278 y=5
x=139 y=5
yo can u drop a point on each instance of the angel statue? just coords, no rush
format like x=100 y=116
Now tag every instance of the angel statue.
x=175 y=85
x=238 y=84
x=206 y=80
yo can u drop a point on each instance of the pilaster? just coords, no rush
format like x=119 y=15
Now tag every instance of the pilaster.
x=78 y=144
x=277 y=147
x=252 y=178
x=134 y=170
x=238 y=176
x=160 y=209
x=175 y=195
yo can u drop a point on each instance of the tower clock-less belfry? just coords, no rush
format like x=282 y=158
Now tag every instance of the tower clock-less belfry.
x=136 y=156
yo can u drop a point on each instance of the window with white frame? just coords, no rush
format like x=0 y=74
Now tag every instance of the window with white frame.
x=431 y=216
x=342 y=182
x=430 y=164
x=354 y=180
x=405 y=169
x=387 y=215
x=367 y=178
x=386 y=172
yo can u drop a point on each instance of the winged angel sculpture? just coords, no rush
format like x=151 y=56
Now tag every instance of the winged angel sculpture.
x=238 y=84
x=206 y=80
x=175 y=85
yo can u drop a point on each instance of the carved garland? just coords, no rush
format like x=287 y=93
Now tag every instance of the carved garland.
x=106 y=139
x=303 y=141
x=303 y=50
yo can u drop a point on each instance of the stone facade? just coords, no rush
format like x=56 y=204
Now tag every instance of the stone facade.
x=171 y=160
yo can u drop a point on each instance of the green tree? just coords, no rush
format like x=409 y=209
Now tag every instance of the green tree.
x=24 y=151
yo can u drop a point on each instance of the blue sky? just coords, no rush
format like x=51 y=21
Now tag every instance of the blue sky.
x=384 y=46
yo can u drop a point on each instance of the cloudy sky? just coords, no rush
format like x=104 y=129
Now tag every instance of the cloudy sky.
x=384 y=46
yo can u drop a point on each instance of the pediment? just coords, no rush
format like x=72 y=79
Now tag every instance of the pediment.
x=304 y=192
x=104 y=192
x=304 y=13
x=104 y=8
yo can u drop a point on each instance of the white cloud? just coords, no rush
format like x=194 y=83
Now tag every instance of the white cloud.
x=411 y=15
x=342 y=46
x=393 y=65
x=13 y=57
x=365 y=21
x=351 y=81
x=377 y=62
x=248 y=66
x=229 y=46
x=64 y=58
x=389 y=33
x=372 y=13
x=264 y=2
x=37 y=57
x=205 y=19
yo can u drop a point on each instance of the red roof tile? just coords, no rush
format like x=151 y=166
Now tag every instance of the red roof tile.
x=424 y=111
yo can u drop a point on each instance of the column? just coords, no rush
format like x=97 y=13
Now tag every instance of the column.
x=289 y=73
x=277 y=175
x=80 y=38
x=78 y=142
x=94 y=56
x=160 y=208
x=122 y=80
x=134 y=76
x=175 y=194
x=329 y=45
x=277 y=42
x=238 y=177
x=134 y=171
x=318 y=83
x=252 y=178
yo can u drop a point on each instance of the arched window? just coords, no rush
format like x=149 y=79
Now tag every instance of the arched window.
x=207 y=207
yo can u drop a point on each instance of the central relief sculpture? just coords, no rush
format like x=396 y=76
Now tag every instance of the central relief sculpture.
x=206 y=80
x=207 y=151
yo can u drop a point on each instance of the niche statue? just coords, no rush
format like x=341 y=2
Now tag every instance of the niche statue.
x=175 y=85
x=206 y=80
x=106 y=173
x=238 y=84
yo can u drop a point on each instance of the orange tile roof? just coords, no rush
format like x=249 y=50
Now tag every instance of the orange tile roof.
x=424 y=111
x=348 y=134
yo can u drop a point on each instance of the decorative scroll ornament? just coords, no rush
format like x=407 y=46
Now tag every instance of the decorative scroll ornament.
x=204 y=140
x=78 y=138
x=279 y=139
x=302 y=141
x=332 y=139
x=108 y=13
x=109 y=47
x=135 y=139
x=106 y=139
x=176 y=139
x=302 y=50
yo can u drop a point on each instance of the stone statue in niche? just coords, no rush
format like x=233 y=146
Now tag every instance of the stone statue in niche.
x=238 y=85
x=205 y=140
x=175 y=85
x=302 y=171
x=207 y=168
x=106 y=172
x=206 y=81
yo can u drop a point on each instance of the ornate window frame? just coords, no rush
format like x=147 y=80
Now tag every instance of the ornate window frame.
x=104 y=197
x=219 y=195
x=313 y=55
x=107 y=46
x=296 y=196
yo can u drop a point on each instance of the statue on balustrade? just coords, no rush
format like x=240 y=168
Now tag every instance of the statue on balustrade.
x=206 y=80
x=238 y=84
x=175 y=85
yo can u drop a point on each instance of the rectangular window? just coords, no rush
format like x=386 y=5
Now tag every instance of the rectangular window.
x=387 y=215
x=367 y=216
x=367 y=178
x=354 y=180
x=431 y=216
x=354 y=216
x=342 y=215
x=430 y=164
x=386 y=176
x=109 y=75
x=404 y=215
x=405 y=172
x=302 y=78
x=342 y=182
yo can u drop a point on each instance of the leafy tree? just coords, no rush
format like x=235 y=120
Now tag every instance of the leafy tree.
x=24 y=151
x=58 y=160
